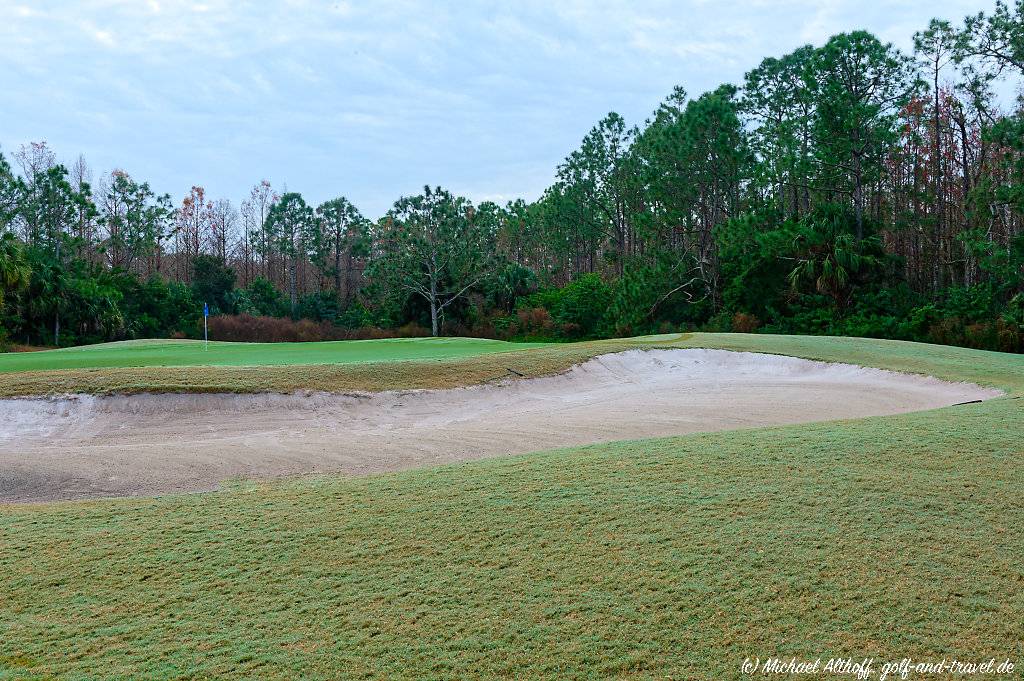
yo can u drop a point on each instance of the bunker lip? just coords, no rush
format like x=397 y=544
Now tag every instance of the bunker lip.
x=86 y=446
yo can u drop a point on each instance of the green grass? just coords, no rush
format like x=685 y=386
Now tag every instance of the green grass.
x=373 y=373
x=888 y=537
x=187 y=353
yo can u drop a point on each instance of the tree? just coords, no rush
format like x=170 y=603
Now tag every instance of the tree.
x=936 y=47
x=254 y=218
x=93 y=302
x=436 y=246
x=776 y=97
x=193 y=220
x=223 y=223
x=261 y=298
x=10 y=194
x=339 y=228
x=212 y=281
x=287 y=221
x=48 y=295
x=699 y=161
x=598 y=177
x=135 y=222
x=14 y=267
x=859 y=85
x=49 y=209
x=830 y=257
x=996 y=39
x=35 y=158
x=80 y=176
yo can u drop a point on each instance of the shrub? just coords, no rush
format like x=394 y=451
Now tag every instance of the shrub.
x=1009 y=336
x=534 y=320
x=412 y=330
x=745 y=323
x=261 y=299
x=213 y=282
x=719 y=323
x=355 y=316
x=319 y=307
x=250 y=329
x=576 y=310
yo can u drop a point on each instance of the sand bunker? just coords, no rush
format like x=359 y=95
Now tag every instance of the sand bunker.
x=86 y=446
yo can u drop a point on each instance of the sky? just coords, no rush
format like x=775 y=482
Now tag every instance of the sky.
x=373 y=100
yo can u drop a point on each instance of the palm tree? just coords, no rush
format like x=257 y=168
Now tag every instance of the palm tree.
x=832 y=261
x=14 y=269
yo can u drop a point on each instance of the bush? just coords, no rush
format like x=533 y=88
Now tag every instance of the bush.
x=745 y=323
x=319 y=307
x=991 y=335
x=510 y=283
x=213 y=282
x=355 y=316
x=719 y=323
x=261 y=299
x=532 y=322
x=575 y=311
x=157 y=308
x=410 y=330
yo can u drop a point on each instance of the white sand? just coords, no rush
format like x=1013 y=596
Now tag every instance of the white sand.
x=85 y=446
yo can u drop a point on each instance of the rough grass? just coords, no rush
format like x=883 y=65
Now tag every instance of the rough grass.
x=887 y=537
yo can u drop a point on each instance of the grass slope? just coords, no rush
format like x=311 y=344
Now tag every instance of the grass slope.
x=355 y=376
x=403 y=364
x=886 y=537
x=339 y=366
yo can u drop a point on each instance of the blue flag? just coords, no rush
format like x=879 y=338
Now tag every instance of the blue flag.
x=206 y=310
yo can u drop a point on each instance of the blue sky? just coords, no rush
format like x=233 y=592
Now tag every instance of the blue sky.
x=373 y=100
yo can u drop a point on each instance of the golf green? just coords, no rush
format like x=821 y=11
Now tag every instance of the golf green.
x=179 y=353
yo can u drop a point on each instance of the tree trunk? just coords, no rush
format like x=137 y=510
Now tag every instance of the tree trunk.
x=291 y=285
x=939 y=196
x=338 y=296
x=858 y=197
x=434 y=330
x=347 y=281
x=56 y=313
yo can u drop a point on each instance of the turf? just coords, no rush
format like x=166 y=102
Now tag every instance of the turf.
x=187 y=353
x=373 y=375
x=888 y=537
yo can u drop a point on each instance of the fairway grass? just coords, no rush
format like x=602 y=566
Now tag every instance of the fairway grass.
x=888 y=537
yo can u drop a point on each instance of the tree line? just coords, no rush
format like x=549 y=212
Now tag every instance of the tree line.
x=848 y=188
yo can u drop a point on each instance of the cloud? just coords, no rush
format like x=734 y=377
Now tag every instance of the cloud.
x=104 y=38
x=375 y=99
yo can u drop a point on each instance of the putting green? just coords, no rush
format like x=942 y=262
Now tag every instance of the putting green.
x=182 y=353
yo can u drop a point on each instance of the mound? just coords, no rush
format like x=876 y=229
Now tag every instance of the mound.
x=85 y=446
